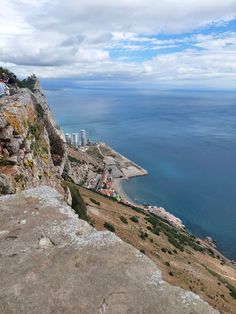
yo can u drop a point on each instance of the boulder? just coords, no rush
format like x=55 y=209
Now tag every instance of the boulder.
x=13 y=146
x=5 y=185
x=6 y=133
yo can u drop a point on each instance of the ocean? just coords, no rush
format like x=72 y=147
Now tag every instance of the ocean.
x=186 y=141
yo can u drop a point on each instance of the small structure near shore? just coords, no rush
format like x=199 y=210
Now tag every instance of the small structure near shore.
x=161 y=212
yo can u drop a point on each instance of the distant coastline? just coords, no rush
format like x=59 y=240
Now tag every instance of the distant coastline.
x=179 y=137
x=131 y=170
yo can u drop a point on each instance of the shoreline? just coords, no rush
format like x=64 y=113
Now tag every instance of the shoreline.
x=117 y=184
x=129 y=169
x=158 y=211
x=162 y=213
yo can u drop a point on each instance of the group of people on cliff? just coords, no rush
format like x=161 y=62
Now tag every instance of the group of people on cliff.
x=7 y=84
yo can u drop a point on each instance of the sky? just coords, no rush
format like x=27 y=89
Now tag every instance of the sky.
x=162 y=43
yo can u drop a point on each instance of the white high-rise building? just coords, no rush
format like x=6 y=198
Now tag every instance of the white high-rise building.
x=74 y=139
x=68 y=138
x=83 y=138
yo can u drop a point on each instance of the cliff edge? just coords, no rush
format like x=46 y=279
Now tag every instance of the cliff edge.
x=53 y=262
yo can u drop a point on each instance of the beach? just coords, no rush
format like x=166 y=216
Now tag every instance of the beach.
x=117 y=184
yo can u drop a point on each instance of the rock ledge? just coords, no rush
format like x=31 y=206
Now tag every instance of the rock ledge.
x=53 y=262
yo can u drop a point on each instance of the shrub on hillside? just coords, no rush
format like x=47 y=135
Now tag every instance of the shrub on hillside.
x=109 y=226
x=143 y=235
x=134 y=219
x=94 y=201
x=77 y=202
x=124 y=220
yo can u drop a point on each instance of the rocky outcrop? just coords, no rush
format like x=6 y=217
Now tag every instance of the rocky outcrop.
x=56 y=136
x=53 y=262
x=32 y=148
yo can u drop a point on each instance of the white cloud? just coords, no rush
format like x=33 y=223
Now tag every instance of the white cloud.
x=91 y=55
x=137 y=16
x=76 y=38
x=216 y=42
x=216 y=63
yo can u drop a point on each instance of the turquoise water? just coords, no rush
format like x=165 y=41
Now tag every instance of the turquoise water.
x=186 y=141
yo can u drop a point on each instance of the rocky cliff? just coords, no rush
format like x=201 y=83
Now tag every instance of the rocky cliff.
x=32 y=148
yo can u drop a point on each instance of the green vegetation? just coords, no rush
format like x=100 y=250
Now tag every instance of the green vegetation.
x=27 y=84
x=94 y=201
x=20 y=178
x=138 y=210
x=232 y=289
x=77 y=202
x=167 y=264
x=33 y=129
x=211 y=252
x=39 y=110
x=36 y=132
x=109 y=226
x=135 y=219
x=143 y=235
x=156 y=230
x=3 y=161
x=178 y=239
x=124 y=220
x=143 y=251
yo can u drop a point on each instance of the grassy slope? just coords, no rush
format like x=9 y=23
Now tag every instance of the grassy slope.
x=182 y=263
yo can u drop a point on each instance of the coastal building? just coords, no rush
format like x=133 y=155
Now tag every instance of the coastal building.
x=83 y=138
x=75 y=139
x=68 y=138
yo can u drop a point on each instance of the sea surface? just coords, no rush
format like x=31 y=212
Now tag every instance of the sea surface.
x=186 y=141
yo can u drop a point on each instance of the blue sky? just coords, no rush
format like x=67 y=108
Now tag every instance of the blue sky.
x=165 y=43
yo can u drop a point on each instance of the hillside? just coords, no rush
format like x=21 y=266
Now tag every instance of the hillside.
x=184 y=260
x=51 y=261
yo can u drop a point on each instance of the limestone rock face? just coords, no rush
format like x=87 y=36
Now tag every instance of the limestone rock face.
x=53 y=262
x=32 y=148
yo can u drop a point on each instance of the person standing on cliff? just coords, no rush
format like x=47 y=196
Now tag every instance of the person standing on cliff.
x=12 y=81
x=4 y=78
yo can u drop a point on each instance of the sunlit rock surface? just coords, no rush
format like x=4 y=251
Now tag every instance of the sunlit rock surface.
x=32 y=148
x=53 y=262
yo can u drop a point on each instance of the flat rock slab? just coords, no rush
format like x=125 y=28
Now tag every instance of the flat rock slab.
x=53 y=262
